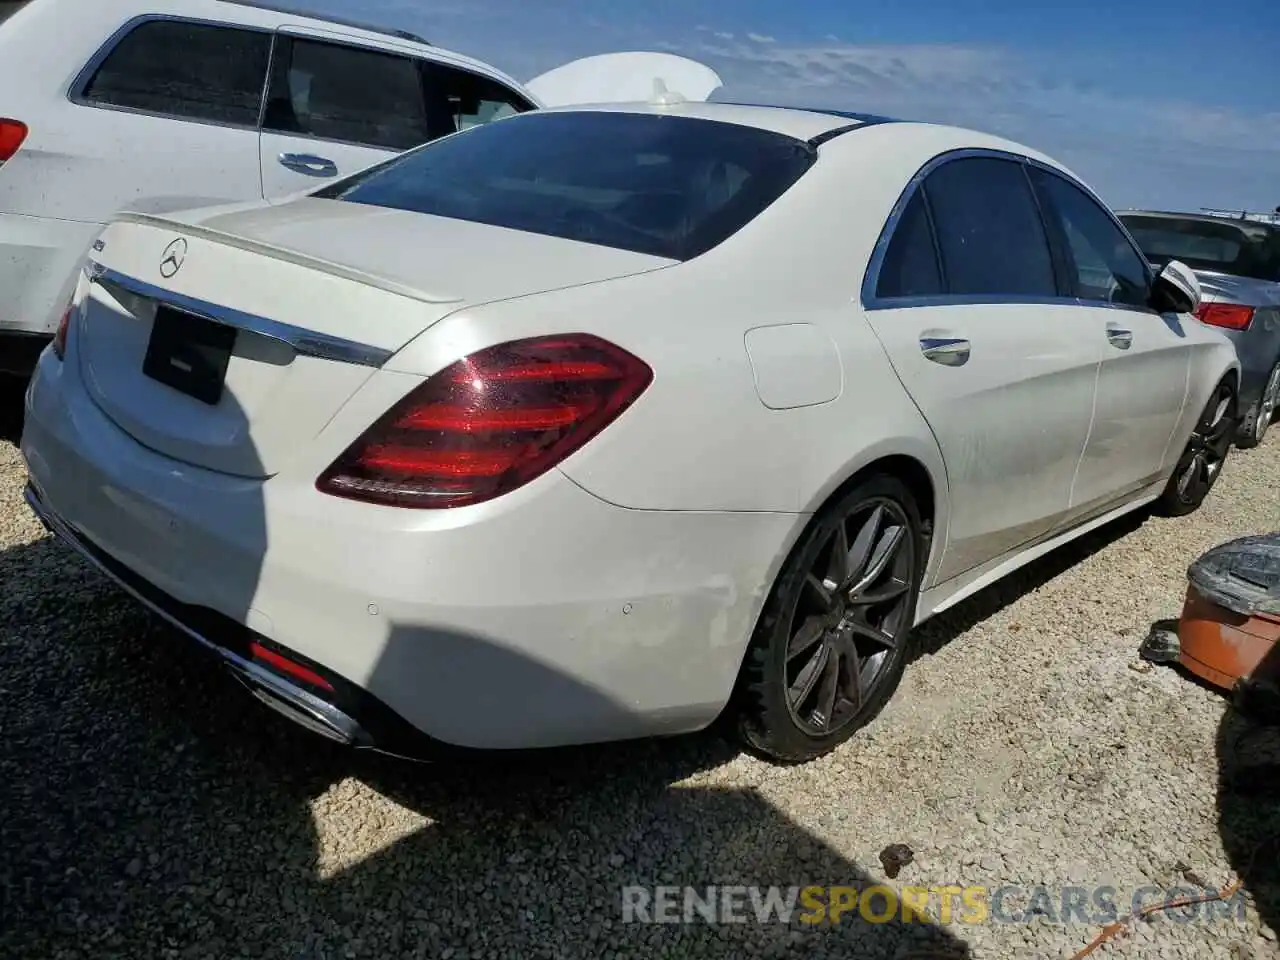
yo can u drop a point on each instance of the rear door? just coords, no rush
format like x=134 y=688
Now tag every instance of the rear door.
x=966 y=302
x=335 y=107
x=1142 y=385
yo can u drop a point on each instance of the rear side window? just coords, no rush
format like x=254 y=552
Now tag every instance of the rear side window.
x=989 y=229
x=189 y=70
x=910 y=267
x=349 y=94
x=1104 y=267
x=467 y=100
x=663 y=185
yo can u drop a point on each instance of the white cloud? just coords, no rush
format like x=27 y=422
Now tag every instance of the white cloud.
x=1136 y=151
x=761 y=38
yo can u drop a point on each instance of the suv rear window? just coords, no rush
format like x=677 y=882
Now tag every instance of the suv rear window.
x=193 y=71
x=1242 y=250
x=672 y=187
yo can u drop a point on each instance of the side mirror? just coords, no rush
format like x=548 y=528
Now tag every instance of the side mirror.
x=1176 y=289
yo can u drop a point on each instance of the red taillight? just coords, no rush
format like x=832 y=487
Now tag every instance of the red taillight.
x=12 y=133
x=285 y=665
x=60 y=338
x=1232 y=316
x=490 y=423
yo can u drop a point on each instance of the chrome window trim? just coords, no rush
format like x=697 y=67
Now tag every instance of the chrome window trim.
x=75 y=92
x=76 y=89
x=305 y=342
x=871 y=278
x=1116 y=222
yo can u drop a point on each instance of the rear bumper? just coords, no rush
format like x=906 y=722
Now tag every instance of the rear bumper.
x=546 y=618
x=287 y=698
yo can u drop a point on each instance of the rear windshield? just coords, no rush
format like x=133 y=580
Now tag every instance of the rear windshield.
x=672 y=187
x=9 y=7
x=1242 y=250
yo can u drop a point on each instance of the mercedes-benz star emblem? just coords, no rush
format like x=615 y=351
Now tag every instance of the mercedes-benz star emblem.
x=171 y=259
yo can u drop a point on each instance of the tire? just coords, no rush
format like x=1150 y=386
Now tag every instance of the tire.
x=1255 y=426
x=796 y=697
x=1201 y=462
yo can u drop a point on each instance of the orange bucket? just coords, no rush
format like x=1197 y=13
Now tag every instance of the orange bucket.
x=1230 y=624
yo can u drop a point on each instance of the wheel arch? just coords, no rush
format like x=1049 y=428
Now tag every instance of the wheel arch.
x=926 y=485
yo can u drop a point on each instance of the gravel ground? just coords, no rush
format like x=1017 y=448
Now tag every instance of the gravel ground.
x=150 y=810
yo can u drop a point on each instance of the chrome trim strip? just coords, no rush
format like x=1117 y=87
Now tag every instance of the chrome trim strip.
x=293 y=702
x=871 y=279
x=306 y=342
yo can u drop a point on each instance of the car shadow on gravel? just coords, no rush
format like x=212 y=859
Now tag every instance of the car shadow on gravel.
x=934 y=634
x=1248 y=748
x=151 y=808
x=11 y=391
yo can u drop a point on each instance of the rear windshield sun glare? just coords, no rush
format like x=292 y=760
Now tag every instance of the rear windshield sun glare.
x=667 y=186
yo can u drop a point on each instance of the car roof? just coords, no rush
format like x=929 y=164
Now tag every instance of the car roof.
x=803 y=124
x=820 y=124
x=108 y=15
x=1245 y=225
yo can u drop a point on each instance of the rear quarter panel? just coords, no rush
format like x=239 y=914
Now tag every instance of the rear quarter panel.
x=1213 y=356
x=701 y=438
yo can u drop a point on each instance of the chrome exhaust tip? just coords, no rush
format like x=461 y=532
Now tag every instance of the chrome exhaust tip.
x=302 y=708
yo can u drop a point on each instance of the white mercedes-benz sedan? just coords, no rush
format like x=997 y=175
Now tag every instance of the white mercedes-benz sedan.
x=596 y=423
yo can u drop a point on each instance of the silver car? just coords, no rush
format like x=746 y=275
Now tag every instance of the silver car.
x=1237 y=261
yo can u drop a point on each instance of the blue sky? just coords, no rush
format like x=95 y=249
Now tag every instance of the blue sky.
x=1174 y=104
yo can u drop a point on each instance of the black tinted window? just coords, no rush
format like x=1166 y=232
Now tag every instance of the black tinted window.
x=910 y=267
x=1242 y=249
x=466 y=99
x=9 y=7
x=1104 y=265
x=989 y=230
x=669 y=186
x=336 y=92
x=189 y=70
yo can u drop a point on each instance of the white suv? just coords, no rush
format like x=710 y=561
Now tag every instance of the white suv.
x=157 y=105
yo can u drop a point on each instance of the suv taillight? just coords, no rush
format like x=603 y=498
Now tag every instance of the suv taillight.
x=60 y=338
x=490 y=423
x=12 y=133
x=1231 y=316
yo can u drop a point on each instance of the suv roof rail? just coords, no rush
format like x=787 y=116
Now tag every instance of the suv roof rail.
x=328 y=18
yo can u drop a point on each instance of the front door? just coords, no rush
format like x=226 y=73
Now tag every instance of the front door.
x=966 y=305
x=1142 y=386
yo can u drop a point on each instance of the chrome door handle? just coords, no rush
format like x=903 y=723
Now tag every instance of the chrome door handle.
x=309 y=164
x=1119 y=337
x=948 y=351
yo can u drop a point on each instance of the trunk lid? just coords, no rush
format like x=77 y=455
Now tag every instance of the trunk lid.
x=308 y=299
x=1228 y=288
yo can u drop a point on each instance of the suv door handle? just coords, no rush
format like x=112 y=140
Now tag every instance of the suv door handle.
x=309 y=164
x=1119 y=337
x=948 y=351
